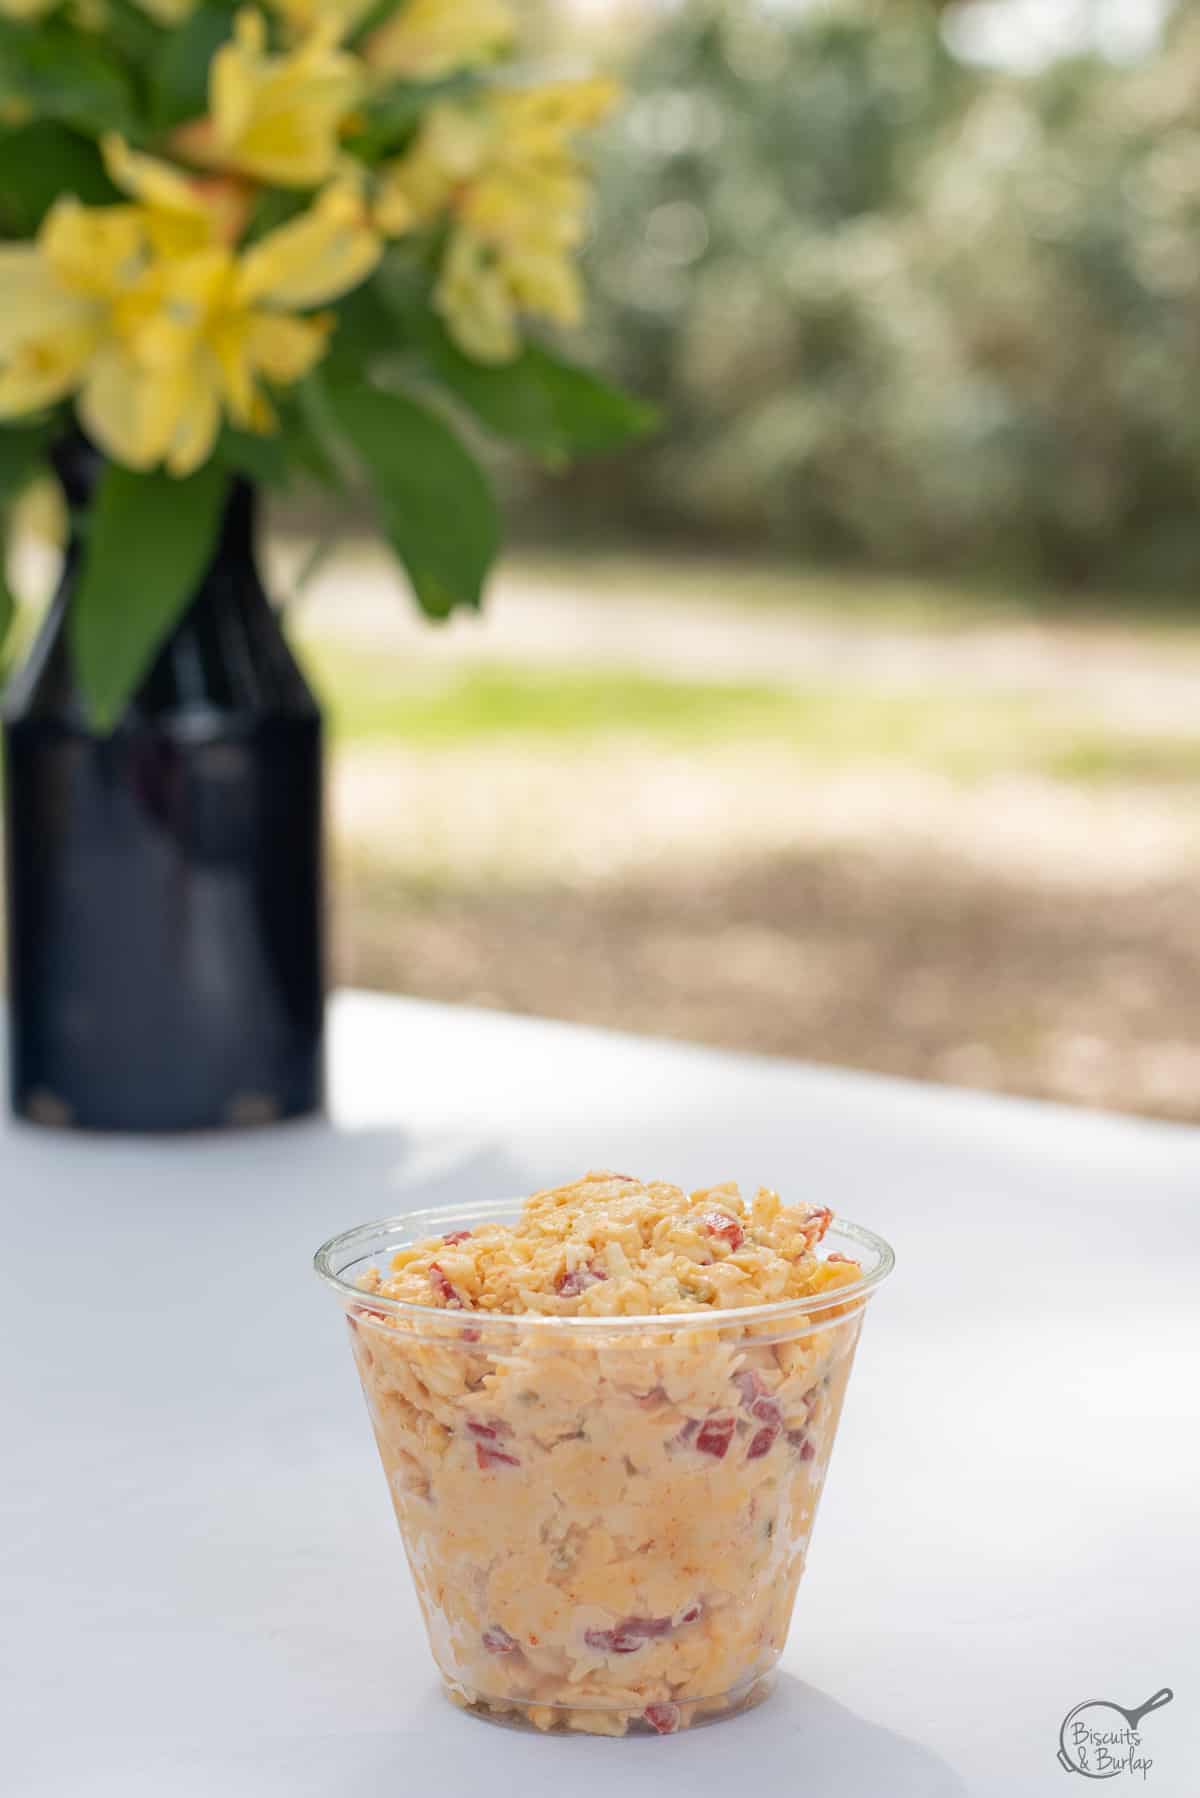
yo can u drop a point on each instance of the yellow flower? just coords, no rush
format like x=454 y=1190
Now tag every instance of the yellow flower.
x=57 y=298
x=276 y=117
x=153 y=320
x=427 y=38
x=184 y=352
x=211 y=327
x=507 y=176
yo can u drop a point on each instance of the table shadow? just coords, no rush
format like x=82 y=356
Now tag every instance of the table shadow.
x=800 y=1744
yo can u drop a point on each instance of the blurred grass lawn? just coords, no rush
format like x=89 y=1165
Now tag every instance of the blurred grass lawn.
x=375 y=699
x=876 y=824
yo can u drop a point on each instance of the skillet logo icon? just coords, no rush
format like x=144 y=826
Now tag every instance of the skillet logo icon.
x=1100 y=1739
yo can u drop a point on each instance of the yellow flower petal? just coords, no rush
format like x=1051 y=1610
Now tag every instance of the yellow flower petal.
x=427 y=38
x=545 y=282
x=285 y=349
x=148 y=179
x=314 y=258
x=184 y=296
x=33 y=300
x=125 y=409
x=197 y=406
x=178 y=212
x=474 y=299
x=228 y=341
x=43 y=370
x=47 y=332
x=279 y=117
x=96 y=250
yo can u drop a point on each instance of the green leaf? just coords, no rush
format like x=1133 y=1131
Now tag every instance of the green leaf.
x=22 y=454
x=367 y=328
x=40 y=162
x=275 y=206
x=65 y=76
x=149 y=542
x=432 y=497
x=540 y=401
x=8 y=604
x=131 y=32
x=376 y=15
x=263 y=460
x=179 y=75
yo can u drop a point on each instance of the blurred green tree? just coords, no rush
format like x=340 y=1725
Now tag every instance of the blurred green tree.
x=902 y=311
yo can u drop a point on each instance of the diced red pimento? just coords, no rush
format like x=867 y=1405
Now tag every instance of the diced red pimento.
x=762 y=1442
x=767 y=1411
x=493 y=1457
x=802 y=1443
x=489 y=1432
x=847 y=1259
x=719 y=1223
x=691 y=1614
x=571 y=1282
x=455 y=1236
x=662 y=1717
x=648 y=1400
x=498 y=1641
x=716 y=1433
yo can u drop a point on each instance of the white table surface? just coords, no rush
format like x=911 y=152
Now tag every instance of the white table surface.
x=202 y=1591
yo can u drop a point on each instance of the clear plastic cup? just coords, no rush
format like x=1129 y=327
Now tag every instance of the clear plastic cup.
x=606 y=1518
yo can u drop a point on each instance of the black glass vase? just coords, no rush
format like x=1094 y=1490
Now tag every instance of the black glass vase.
x=164 y=883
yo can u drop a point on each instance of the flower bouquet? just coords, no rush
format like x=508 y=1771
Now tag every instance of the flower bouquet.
x=295 y=241
x=301 y=240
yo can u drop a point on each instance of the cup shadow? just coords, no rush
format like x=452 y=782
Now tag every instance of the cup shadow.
x=800 y=1744
x=806 y=1742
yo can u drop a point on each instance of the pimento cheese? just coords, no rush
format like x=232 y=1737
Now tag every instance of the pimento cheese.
x=607 y=1532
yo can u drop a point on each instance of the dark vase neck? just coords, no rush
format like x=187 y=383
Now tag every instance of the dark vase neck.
x=226 y=656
